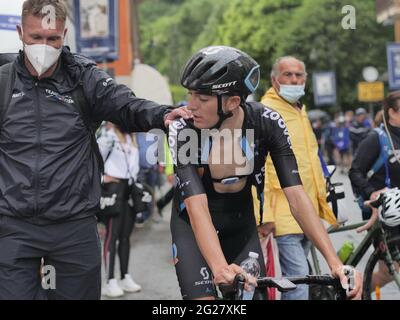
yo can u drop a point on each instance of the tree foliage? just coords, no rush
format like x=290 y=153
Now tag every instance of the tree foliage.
x=256 y=27
x=325 y=45
x=167 y=42
x=266 y=29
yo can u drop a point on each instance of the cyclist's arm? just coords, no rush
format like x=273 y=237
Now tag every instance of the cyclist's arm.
x=205 y=233
x=304 y=213
x=367 y=153
x=192 y=191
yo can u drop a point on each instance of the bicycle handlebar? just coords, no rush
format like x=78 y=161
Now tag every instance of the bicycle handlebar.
x=235 y=290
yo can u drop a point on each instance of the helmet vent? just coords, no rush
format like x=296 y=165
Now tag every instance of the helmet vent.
x=220 y=73
x=194 y=65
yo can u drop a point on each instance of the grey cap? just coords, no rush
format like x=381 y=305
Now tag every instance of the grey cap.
x=360 y=111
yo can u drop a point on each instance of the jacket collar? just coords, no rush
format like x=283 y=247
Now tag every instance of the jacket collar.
x=271 y=94
x=67 y=76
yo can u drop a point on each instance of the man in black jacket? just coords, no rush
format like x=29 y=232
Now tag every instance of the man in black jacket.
x=50 y=180
x=368 y=182
x=376 y=167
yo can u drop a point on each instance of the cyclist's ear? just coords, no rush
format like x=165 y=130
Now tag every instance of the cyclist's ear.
x=232 y=103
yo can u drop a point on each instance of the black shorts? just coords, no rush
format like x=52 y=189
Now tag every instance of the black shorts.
x=238 y=236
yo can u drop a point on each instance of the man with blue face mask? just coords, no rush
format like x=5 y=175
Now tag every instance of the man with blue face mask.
x=288 y=78
x=50 y=175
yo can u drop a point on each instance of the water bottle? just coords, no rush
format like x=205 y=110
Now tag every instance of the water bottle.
x=252 y=267
x=345 y=251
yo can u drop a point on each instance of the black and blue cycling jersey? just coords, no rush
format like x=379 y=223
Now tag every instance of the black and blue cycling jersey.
x=268 y=134
x=263 y=132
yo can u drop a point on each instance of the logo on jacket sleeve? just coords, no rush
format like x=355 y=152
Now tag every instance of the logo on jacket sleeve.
x=107 y=82
x=18 y=95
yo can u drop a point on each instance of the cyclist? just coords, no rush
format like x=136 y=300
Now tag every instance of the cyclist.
x=212 y=224
x=368 y=177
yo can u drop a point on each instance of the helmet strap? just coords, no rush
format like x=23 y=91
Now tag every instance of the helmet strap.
x=221 y=114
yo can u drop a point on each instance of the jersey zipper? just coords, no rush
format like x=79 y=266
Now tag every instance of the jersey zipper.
x=39 y=148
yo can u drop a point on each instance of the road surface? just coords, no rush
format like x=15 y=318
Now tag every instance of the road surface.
x=151 y=254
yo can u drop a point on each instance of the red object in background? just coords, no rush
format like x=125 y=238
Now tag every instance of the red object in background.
x=272 y=266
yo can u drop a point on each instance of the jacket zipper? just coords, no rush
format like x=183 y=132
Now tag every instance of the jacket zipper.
x=39 y=136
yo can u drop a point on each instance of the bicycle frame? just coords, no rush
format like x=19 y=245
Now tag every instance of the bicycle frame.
x=361 y=249
x=375 y=232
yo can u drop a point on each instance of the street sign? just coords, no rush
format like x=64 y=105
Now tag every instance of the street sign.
x=393 y=57
x=371 y=91
x=324 y=86
x=10 y=17
x=97 y=31
x=370 y=74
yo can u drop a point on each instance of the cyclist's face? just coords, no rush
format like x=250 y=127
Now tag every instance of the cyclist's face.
x=291 y=72
x=204 y=109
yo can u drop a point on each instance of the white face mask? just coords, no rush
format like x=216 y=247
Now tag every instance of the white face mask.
x=292 y=93
x=42 y=56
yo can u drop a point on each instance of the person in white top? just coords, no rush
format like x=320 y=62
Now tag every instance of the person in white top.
x=121 y=157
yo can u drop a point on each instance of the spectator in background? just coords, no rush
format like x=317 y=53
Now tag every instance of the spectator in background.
x=369 y=179
x=121 y=166
x=341 y=140
x=359 y=128
x=289 y=78
x=318 y=131
x=349 y=117
x=378 y=120
x=148 y=172
x=329 y=144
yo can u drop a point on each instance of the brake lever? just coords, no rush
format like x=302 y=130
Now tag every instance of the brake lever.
x=235 y=289
x=349 y=273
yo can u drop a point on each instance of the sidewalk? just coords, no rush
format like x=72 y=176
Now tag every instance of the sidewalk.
x=151 y=261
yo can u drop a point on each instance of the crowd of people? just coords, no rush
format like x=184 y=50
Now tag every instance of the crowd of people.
x=338 y=140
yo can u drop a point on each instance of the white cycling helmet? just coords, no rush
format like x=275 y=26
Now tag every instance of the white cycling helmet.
x=390 y=212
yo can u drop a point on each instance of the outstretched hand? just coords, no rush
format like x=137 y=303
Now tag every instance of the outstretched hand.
x=374 y=216
x=182 y=112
